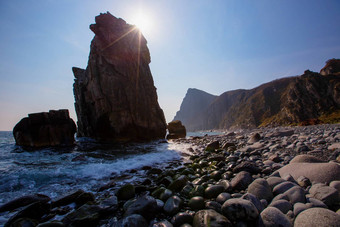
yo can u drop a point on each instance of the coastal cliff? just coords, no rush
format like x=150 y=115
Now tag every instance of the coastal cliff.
x=307 y=99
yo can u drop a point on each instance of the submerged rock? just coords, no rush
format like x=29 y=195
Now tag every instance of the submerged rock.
x=115 y=97
x=53 y=128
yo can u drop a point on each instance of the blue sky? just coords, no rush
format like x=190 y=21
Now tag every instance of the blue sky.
x=214 y=46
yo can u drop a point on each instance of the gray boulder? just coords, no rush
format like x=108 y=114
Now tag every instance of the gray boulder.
x=261 y=189
x=318 y=217
x=241 y=180
x=273 y=217
x=315 y=172
x=328 y=195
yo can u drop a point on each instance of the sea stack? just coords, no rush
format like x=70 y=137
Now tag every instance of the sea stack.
x=176 y=130
x=53 y=128
x=115 y=97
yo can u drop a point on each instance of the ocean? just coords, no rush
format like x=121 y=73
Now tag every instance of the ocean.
x=88 y=165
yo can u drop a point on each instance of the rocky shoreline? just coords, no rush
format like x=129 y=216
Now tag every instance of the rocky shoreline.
x=263 y=177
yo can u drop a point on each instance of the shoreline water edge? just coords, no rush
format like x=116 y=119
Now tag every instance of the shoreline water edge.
x=288 y=176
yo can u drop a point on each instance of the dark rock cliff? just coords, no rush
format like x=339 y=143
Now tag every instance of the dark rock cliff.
x=293 y=100
x=115 y=96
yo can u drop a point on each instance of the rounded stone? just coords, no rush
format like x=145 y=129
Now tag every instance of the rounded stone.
x=261 y=189
x=182 y=218
x=296 y=194
x=283 y=205
x=172 y=205
x=178 y=183
x=224 y=196
x=328 y=195
x=213 y=205
x=317 y=217
x=213 y=191
x=317 y=203
x=126 y=192
x=196 y=203
x=299 y=207
x=241 y=181
x=315 y=172
x=335 y=184
x=145 y=206
x=134 y=220
x=239 y=209
x=305 y=158
x=271 y=216
x=273 y=181
x=283 y=187
x=164 y=223
x=257 y=203
x=165 y=195
x=204 y=218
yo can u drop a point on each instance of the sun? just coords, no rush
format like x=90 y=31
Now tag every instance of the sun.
x=143 y=22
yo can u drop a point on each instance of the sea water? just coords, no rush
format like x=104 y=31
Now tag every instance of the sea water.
x=88 y=165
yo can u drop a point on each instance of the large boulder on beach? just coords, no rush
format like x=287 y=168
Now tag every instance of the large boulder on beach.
x=115 y=97
x=315 y=172
x=317 y=217
x=306 y=158
x=176 y=130
x=53 y=128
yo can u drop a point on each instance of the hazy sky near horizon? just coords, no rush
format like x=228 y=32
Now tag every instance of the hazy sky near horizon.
x=214 y=46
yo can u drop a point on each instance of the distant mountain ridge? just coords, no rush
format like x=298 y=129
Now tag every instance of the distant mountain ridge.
x=307 y=99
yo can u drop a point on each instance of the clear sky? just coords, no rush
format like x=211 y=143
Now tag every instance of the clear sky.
x=215 y=46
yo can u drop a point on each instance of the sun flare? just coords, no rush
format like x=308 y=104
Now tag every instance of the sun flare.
x=143 y=22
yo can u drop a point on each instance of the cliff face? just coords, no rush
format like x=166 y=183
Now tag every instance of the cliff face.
x=116 y=99
x=293 y=100
x=194 y=103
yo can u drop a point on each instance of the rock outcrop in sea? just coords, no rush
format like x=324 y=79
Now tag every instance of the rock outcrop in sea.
x=53 y=128
x=176 y=130
x=115 y=97
x=311 y=98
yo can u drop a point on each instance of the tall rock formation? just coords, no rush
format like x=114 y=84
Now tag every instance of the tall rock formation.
x=115 y=97
x=311 y=97
x=53 y=128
